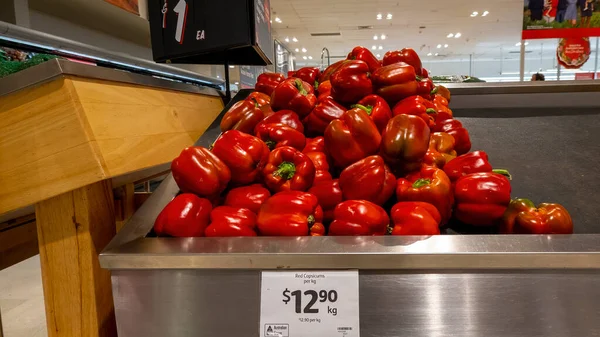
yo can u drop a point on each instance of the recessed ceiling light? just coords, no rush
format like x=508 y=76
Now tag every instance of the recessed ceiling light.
x=231 y=67
x=287 y=39
x=439 y=46
x=383 y=36
x=380 y=48
x=304 y=57
x=296 y=50
x=457 y=35
x=436 y=54
x=237 y=83
x=294 y=39
x=304 y=50
x=485 y=13
x=374 y=47
x=446 y=45
x=429 y=54
x=375 y=37
x=218 y=76
x=526 y=43
x=474 y=14
x=310 y=57
x=378 y=56
x=277 y=19
x=450 y=35
x=518 y=44
x=388 y=16
x=379 y=16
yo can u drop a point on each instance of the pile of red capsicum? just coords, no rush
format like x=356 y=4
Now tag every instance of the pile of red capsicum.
x=364 y=147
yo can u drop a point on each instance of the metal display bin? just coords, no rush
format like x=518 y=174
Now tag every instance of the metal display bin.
x=546 y=134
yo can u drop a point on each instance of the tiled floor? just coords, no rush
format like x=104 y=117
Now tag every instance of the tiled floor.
x=22 y=300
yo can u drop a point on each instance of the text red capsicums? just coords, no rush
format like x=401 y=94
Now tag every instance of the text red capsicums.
x=228 y=221
x=187 y=215
x=244 y=154
x=377 y=108
x=294 y=94
x=365 y=55
x=359 y=217
x=291 y=213
x=200 y=171
x=368 y=179
x=243 y=116
x=278 y=135
x=406 y=55
x=288 y=169
x=323 y=113
x=395 y=82
x=351 y=82
x=266 y=82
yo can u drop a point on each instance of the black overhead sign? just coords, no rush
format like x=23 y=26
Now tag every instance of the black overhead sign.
x=211 y=31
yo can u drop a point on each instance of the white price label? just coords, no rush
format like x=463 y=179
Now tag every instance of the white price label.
x=309 y=303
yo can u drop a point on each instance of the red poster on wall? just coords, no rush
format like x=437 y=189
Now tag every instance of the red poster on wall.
x=584 y=76
x=573 y=52
x=545 y=19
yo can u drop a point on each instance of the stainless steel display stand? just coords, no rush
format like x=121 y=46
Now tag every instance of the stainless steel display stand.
x=450 y=285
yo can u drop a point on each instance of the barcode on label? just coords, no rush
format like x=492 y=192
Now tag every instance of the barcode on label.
x=344 y=328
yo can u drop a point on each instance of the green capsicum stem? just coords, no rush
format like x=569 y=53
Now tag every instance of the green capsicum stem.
x=503 y=172
x=300 y=87
x=286 y=170
x=421 y=182
x=368 y=109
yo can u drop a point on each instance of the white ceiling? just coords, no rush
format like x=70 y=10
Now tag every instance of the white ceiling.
x=501 y=28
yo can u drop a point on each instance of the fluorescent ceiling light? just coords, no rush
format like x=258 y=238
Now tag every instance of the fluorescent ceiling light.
x=304 y=50
x=379 y=16
x=485 y=13
x=439 y=46
x=474 y=14
x=294 y=39
x=383 y=37
x=389 y=16
x=450 y=35
x=277 y=19
x=457 y=35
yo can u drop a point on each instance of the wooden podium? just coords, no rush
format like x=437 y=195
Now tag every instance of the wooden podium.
x=69 y=134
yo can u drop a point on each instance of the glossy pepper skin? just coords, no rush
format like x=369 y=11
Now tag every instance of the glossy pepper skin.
x=481 y=198
x=228 y=221
x=309 y=75
x=359 y=217
x=316 y=144
x=444 y=92
x=406 y=55
x=352 y=137
x=404 y=143
x=351 y=82
x=187 y=215
x=243 y=116
x=329 y=194
x=321 y=163
x=365 y=55
x=441 y=150
x=416 y=106
x=198 y=170
x=368 y=179
x=262 y=100
x=288 y=169
x=323 y=113
x=460 y=134
x=442 y=111
x=291 y=213
x=431 y=185
x=523 y=217
x=377 y=108
x=326 y=74
x=415 y=218
x=287 y=117
x=395 y=82
x=244 y=154
x=425 y=88
x=473 y=162
x=324 y=91
x=278 y=135
x=250 y=197
x=266 y=82
x=294 y=94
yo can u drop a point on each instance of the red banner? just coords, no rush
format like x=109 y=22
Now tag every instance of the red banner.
x=573 y=52
x=546 y=19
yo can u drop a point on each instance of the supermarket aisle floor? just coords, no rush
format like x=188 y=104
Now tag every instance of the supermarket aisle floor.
x=22 y=300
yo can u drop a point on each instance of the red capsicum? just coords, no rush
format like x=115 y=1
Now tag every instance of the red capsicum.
x=187 y=215
x=288 y=169
x=294 y=94
x=287 y=117
x=243 y=116
x=250 y=197
x=228 y=221
x=262 y=100
x=431 y=185
x=424 y=73
x=481 y=198
x=395 y=82
x=329 y=194
x=319 y=118
x=416 y=106
x=309 y=75
x=278 y=135
x=460 y=134
x=425 y=88
x=244 y=154
x=316 y=144
x=359 y=217
x=291 y=213
x=368 y=179
x=365 y=55
x=473 y=162
x=377 y=108
x=523 y=217
x=351 y=82
x=352 y=137
x=319 y=159
x=326 y=74
x=324 y=91
x=441 y=150
x=415 y=218
x=198 y=170
x=404 y=143
x=442 y=111
x=266 y=82
x=406 y=55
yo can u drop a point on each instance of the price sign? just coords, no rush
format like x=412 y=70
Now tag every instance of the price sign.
x=309 y=303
